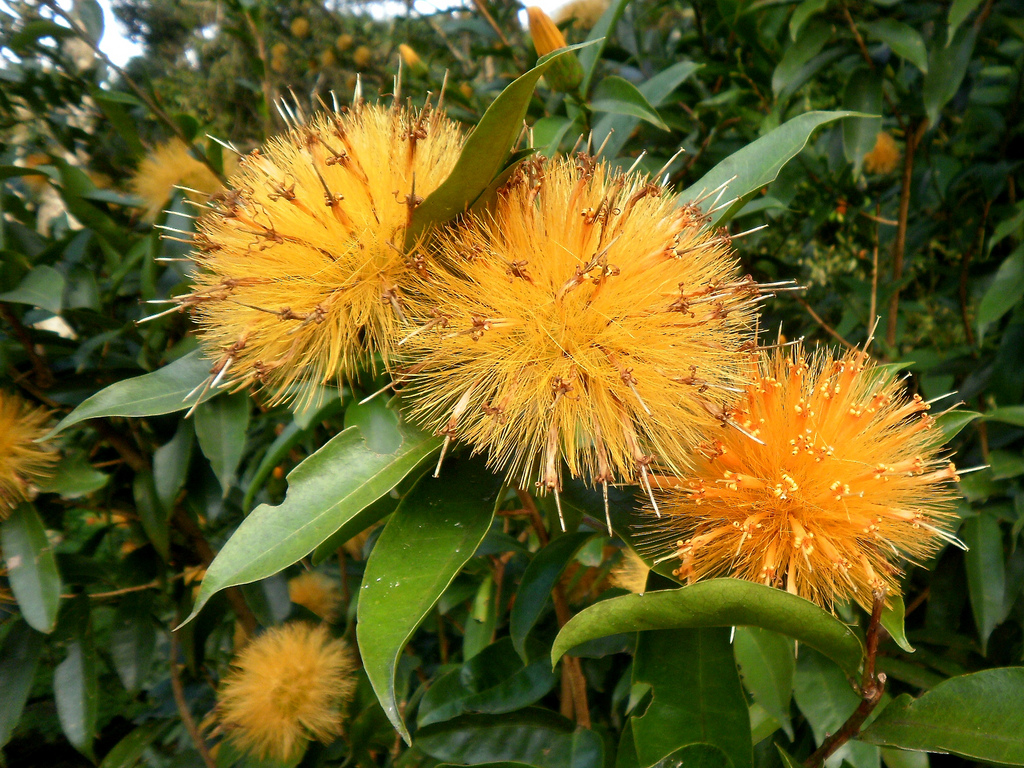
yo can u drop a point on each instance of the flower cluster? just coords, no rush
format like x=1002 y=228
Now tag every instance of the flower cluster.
x=22 y=460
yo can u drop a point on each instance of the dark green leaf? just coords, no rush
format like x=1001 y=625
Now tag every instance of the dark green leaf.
x=947 y=66
x=43 y=287
x=1007 y=414
x=808 y=45
x=428 y=539
x=19 y=656
x=950 y=424
x=152 y=514
x=326 y=490
x=892 y=620
x=31 y=568
x=620 y=97
x=959 y=10
x=75 y=690
x=863 y=94
x=767 y=660
x=904 y=40
x=802 y=14
x=128 y=751
x=598 y=38
x=74 y=477
x=133 y=641
x=221 y=425
x=980 y=716
x=986 y=573
x=170 y=464
x=716 y=603
x=1004 y=292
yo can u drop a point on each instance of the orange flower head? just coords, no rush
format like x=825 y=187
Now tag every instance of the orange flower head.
x=830 y=475
x=168 y=166
x=317 y=593
x=586 y=319
x=286 y=687
x=303 y=265
x=22 y=460
x=884 y=157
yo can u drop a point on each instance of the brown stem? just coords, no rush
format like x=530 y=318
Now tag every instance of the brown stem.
x=899 y=247
x=873 y=310
x=858 y=38
x=268 y=90
x=124 y=447
x=490 y=20
x=871 y=689
x=828 y=328
x=43 y=374
x=186 y=716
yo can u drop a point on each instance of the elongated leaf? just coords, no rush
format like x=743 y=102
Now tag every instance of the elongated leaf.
x=947 y=66
x=76 y=694
x=1008 y=414
x=133 y=641
x=43 y=287
x=620 y=97
x=716 y=603
x=31 y=568
x=986 y=574
x=128 y=751
x=326 y=490
x=802 y=14
x=980 y=716
x=538 y=580
x=221 y=425
x=808 y=45
x=1005 y=291
x=950 y=424
x=152 y=394
x=598 y=38
x=428 y=539
x=959 y=10
x=905 y=41
x=19 y=656
x=892 y=620
x=696 y=695
x=170 y=464
x=863 y=94
x=74 y=477
x=767 y=661
x=759 y=162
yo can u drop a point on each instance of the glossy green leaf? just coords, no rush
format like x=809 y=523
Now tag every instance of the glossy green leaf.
x=947 y=66
x=153 y=515
x=949 y=425
x=129 y=750
x=597 y=39
x=986 y=574
x=892 y=620
x=1004 y=292
x=221 y=426
x=905 y=41
x=424 y=545
x=43 y=287
x=538 y=580
x=697 y=696
x=620 y=97
x=31 y=568
x=959 y=10
x=534 y=737
x=1007 y=414
x=152 y=394
x=979 y=716
x=863 y=94
x=901 y=758
x=77 y=696
x=808 y=45
x=170 y=464
x=19 y=657
x=325 y=491
x=758 y=163
x=716 y=603
x=133 y=641
x=767 y=661
x=802 y=14
x=74 y=477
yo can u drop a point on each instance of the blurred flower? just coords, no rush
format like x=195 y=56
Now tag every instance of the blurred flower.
x=566 y=73
x=22 y=460
x=466 y=90
x=316 y=593
x=834 y=473
x=168 y=166
x=593 y=321
x=583 y=13
x=411 y=59
x=286 y=687
x=362 y=56
x=300 y=27
x=303 y=264
x=884 y=156
x=279 y=50
x=327 y=57
x=630 y=573
x=344 y=42
x=35 y=182
x=279 y=65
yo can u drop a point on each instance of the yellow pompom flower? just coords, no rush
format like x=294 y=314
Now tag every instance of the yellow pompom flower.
x=884 y=157
x=300 y=27
x=286 y=687
x=168 y=166
x=303 y=265
x=344 y=41
x=22 y=461
x=279 y=50
x=316 y=593
x=362 y=56
x=591 y=321
x=837 y=475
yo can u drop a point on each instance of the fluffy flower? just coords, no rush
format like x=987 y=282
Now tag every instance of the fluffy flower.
x=884 y=156
x=316 y=593
x=836 y=475
x=630 y=573
x=286 y=687
x=584 y=13
x=168 y=166
x=22 y=460
x=303 y=263
x=591 y=321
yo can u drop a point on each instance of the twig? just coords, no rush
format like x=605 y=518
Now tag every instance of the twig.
x=828 y=328
x=899 y=247
x=43 y=374
x=871 y=689
x=490 y=20
x=186 y=716
x=873 y=313
x=965 y=263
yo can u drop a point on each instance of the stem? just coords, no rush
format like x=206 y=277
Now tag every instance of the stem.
x=871 y=689
x=186 y=716
x=43 y=375
x=873 y=312
x=828 y=328
x=268 y=90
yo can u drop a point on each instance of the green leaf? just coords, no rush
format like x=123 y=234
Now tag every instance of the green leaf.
x=979 y=716
x=326 y=490
x=959 y=10
x=716 y=603
x=432 y=534
x=597 y=39
x=74 y=477
x=892 y=620
x=1007 y=414
x=221 y=426
x=42 y=287
x=986 y=574
x=89 y=14
x=31 y=568
x=534 y=737
x=19 y=657
x=758 y=163
x=904 y=40
x=863 y=94
x=170 y=464
x=133 y=641
x=620 y=97
x=802 y=14
x=1004 y=292
x=949 y=425
x=152 y=394
x=807 y=46
x=947 y=66
x=76 y=694
x=697 y=696
x=484 y=153
x=538 y=580
x=767 y=661
x=129 y=750
x=155 y=518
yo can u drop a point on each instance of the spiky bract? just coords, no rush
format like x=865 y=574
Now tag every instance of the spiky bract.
x=22 y=460
x=168 y=166
x=591 y=320
x=845 y=478
x=303 y=263
x=286 y=687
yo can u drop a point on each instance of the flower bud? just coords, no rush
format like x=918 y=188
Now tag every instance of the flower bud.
x=566 y=73
x=411 y=59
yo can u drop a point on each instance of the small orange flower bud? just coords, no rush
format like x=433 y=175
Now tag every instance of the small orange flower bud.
x=279 y=50
x=300 y=27
x=327 y=57
x=563 y=75
x=344 y=42
x=362 y=56
x=410 y=58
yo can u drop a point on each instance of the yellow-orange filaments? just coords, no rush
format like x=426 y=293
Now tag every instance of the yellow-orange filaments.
x=22 y=460
x=585 y=319
x=845 y=479
x=303 y=264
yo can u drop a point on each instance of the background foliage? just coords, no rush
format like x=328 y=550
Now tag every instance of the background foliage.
x=458 y=648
